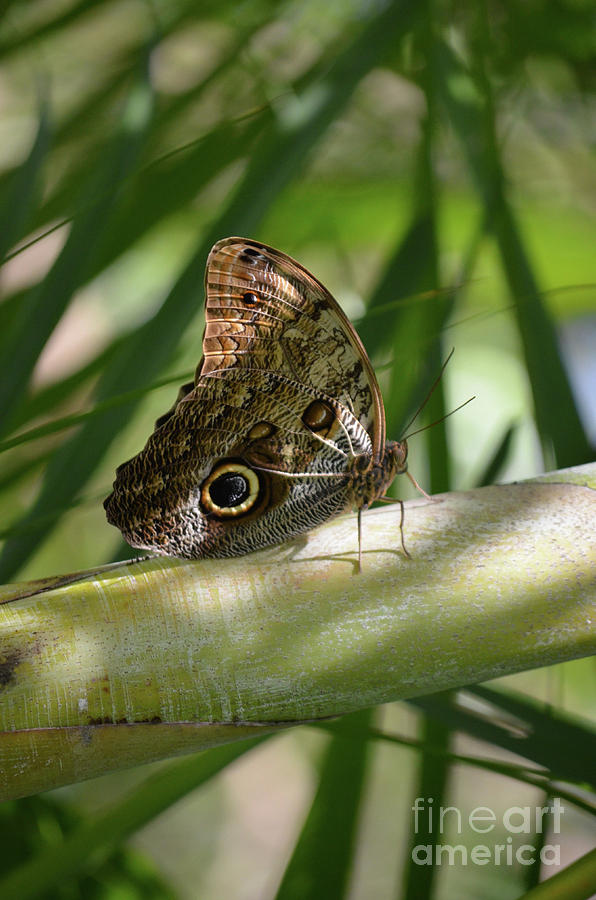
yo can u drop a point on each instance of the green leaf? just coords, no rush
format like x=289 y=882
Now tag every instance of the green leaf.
x=50 y=399
x=321 y=863
x=42 y=308
x=433 y=776
x=30 y=35
x=92 y=841
x=20 y=195
x=472 y=113
x=521 y=726
x=499 y=458
x=29 y=824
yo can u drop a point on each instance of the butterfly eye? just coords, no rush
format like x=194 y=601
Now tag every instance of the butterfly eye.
x=318 y=416
x=231 y=490
x=250 y=299
x=401 y=456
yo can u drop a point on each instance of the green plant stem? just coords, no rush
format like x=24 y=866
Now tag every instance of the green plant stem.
x=140 y=661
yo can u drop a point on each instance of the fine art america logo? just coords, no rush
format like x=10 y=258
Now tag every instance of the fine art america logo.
x=517 y=820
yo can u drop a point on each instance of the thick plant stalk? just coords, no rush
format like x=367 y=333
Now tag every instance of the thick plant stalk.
x=135 y=662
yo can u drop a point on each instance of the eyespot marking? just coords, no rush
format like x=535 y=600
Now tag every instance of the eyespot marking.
x=261 y=430
x=231 y=489
x=318 y=416
x=250 y=298
x=251 y=255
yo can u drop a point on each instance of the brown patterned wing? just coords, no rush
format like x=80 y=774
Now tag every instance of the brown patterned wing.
x=176 y=496
x=265 y=311
x=259 y=449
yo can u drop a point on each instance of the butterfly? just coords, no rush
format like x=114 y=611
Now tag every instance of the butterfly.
x=282 y=428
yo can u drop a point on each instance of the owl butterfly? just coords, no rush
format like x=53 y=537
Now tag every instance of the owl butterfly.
x=282 y=428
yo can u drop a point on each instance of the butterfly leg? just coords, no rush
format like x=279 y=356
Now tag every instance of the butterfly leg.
x=401 y=528
x=401 y=520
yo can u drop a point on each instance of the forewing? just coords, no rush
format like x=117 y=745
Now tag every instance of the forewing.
x=265 y=311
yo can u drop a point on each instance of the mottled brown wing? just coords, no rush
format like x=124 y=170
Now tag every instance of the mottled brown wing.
x=265 y=311
x=283 y=388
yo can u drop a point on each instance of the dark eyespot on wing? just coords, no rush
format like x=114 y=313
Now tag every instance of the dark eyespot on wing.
x=250 y=255
x=318 y=416
x=260 y=431
x=230 y=489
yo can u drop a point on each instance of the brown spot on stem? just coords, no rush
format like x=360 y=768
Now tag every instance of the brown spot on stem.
x=8 y=666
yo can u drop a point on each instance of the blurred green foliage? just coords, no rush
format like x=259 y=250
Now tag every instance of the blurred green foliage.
x=430 y=161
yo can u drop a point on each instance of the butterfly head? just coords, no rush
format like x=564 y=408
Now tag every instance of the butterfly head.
x=396 y=456
x=371 y=480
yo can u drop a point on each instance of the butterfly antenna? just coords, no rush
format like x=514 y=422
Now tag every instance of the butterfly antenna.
x=430 y=393
x=436 y=422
